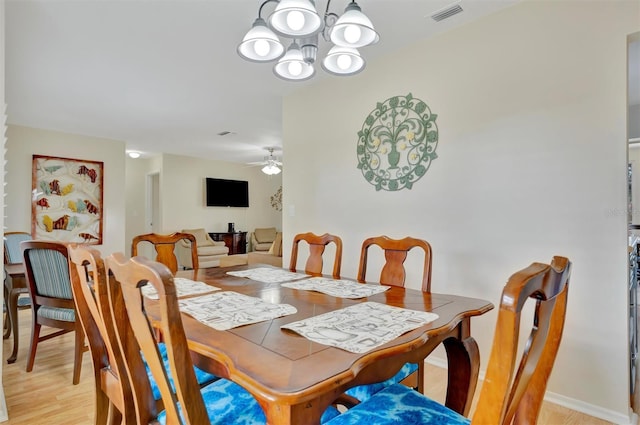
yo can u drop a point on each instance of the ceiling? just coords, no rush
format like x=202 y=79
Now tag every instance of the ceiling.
x=164 y=75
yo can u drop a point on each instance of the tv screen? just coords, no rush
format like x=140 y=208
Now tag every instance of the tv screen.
x=227 y=193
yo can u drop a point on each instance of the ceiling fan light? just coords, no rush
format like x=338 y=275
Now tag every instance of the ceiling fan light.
x=343 y=61
x=353 y=29
x=295 y=18
x=271 y=169
x=260 y=44
x=292 y=66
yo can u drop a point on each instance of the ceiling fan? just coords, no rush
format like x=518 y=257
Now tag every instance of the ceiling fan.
x=271 y=165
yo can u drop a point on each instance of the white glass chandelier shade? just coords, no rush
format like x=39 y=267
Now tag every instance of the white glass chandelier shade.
x=295 y=18
x=292 y=66
x=271 y=169
x=260 y=44
x=353 y=29
x=343 y=61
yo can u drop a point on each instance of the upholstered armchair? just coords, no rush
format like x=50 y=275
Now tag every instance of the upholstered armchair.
x=262 y=238
x=272 y=256
x=209 y=251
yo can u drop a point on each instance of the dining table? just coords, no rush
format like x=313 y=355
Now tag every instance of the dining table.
x=295 y=379
x=15 y=285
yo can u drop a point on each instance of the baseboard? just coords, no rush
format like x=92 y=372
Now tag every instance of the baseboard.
x=568 y=402
x=591 y=409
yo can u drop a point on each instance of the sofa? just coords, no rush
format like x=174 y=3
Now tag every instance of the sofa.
x=209 y=251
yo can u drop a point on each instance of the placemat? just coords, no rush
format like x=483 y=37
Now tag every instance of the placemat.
x=362 y=327
x=338 y=288
x=228 y=309
x=268 y=275
x=184 y=287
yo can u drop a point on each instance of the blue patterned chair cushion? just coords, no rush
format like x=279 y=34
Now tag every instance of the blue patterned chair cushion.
x=229 y=403
x=201 y=376
x=56 y=313
x=399 y=404
x=364 y=392
x=24 y=301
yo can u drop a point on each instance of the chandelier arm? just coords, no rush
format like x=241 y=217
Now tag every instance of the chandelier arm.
x=326 y=11
x=329 y=20
x=263 y=4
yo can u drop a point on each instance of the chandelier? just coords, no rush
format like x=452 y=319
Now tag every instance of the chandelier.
x=299 y=21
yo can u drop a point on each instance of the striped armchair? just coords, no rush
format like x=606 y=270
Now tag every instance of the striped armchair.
x=47 y=270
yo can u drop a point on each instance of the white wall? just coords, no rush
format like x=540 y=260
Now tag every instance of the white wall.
x=23 y=142
x=531 y=106
x=182 y=195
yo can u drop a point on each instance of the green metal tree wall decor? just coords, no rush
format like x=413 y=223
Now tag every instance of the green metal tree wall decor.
x=397 y=143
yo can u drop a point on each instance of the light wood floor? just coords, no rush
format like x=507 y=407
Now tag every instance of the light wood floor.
x=47 y=396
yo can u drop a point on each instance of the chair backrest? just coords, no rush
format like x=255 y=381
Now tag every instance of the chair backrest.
x=317 y=244
x=112 y=382
x=395 y=252
x=130 y=276
x=12 y=250
x=511 y=395
x=47 y=272
x=165 y=246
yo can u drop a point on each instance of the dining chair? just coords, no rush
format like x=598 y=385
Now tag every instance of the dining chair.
x=92 y=304
x=317 y=245
x=13 y=255
x=509 y=394
x=112 y=373
x=165 y=247
x=47 y=272
x=393 y=273
x=189 y=404
x=395 y=252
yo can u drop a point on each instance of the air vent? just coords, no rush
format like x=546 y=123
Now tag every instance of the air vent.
x=448 y=12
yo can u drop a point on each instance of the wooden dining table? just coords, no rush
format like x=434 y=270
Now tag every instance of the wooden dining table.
x=295 y=379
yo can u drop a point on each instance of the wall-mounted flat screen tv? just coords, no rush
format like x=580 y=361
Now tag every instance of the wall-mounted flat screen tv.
x=226 y=193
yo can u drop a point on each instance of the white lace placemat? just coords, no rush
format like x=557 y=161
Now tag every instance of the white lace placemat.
x=337 y=287
x=268 y=275
x=184 y=287
x=361 y=327
x=228 y=309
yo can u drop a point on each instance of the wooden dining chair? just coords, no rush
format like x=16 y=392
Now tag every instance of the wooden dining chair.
x=395 y=252
x=47 y=272
x=221 y=402
x=112 y=373
x=197 y=406
x=509 y=394
x=19 y=296
x=112 y=386
x=317 y=245
x=394 y=274
x=165 y=247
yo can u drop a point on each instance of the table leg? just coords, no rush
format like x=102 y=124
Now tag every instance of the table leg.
x=464 y=365
x=12 y=306
x=7 y=321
